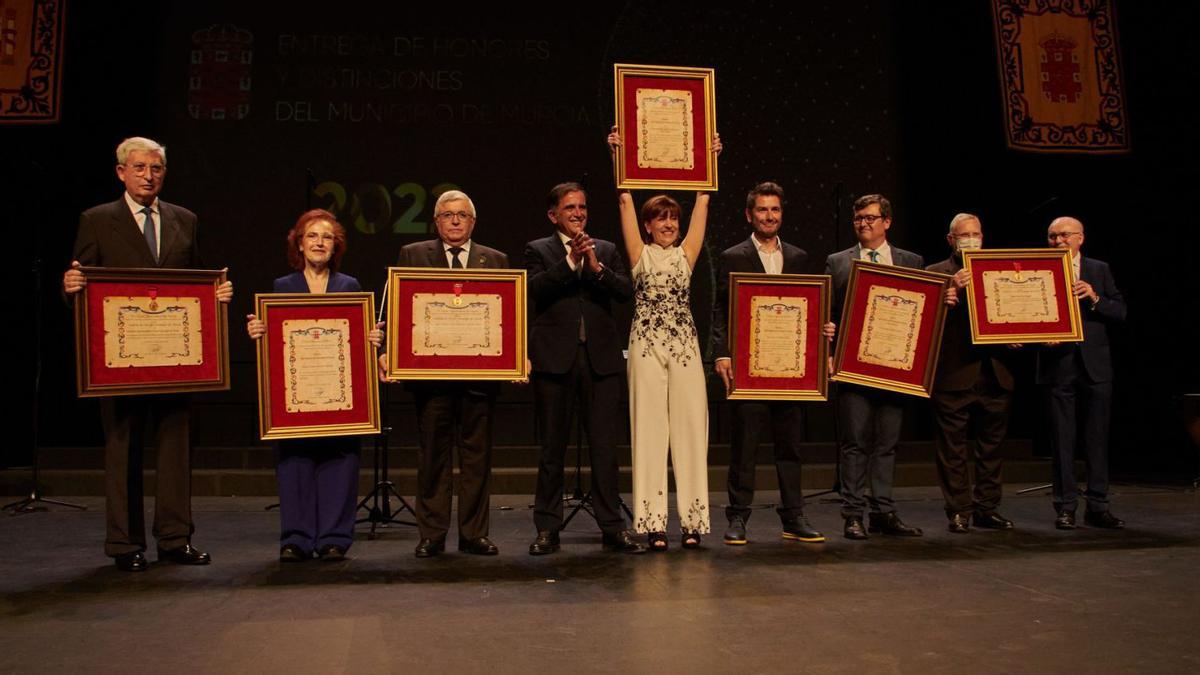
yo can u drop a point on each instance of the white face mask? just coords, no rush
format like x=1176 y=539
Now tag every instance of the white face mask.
x=968 y=244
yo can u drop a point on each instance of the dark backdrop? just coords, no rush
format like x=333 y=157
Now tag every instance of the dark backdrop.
x=371 y=110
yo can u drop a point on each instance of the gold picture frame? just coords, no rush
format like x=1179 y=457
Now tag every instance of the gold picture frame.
x=1069 y=324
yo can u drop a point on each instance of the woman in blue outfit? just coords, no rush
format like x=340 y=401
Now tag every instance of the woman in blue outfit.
x=318 y=477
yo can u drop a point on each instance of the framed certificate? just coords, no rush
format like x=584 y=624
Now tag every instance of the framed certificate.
x=150 y=331
x=891 y=328
x=667 y=119
x=457 y=324
x=1022 y=295
x=776 y=345
x=316 y=368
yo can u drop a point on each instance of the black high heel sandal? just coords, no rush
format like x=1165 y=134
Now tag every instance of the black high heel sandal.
x=691 y=540
x=657 y=541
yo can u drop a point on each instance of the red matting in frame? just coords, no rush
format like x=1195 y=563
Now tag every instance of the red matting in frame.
x=918 y=380
x=814 y=384
x=96 y=378
x=363 y=416
x=508 y=365
x=1057 y=261
x=697 y=81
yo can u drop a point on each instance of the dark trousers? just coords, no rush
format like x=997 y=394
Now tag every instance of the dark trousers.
x=750 y=419
x=595 y=397
x=318 y=490
x=986 y=407
x=442 y=416
x=1073 y=404
x=124 y=420
x=869 y=421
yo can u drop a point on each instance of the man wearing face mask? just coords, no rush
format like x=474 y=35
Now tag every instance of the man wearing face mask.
x=973 y=387
x=1077 y=378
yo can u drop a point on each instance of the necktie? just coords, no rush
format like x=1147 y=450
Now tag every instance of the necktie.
x=874 y=255
x=151 y=237
x=455 y=263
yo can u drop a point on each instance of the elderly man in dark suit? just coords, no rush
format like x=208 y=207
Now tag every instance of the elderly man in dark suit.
x=1077 y=379
x=141 y=230
x=444 y=408
x=973 y=385
x=763 y=252
x=869 y=419
x=575 y=346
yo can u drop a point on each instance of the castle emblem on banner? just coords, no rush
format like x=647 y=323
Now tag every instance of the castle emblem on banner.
x=219 y=75
x=1060 y=74
x=31 y=42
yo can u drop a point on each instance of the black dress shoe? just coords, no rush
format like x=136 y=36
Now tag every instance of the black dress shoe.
x=797 y=528
x=427 y=548
x=331 y=553
x=854 y=528
x=132 y=562
x=291 y=553
x=184 y=555
x=621 y=542
x=890 y=524
x=478 y=546
x=959 y=524
x=546 y=543
x=1065 y=520
x=1102 y=519
x=736 y=534
x=992 y=521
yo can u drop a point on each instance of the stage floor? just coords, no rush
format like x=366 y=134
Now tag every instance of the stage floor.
x=1035 y=599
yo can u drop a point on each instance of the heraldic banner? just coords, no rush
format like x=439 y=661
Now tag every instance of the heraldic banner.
x=31 y=45
x=1060 y=74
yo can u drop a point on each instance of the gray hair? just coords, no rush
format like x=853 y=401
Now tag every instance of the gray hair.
x=454 y=195
x=961 y=218
x=140 y=143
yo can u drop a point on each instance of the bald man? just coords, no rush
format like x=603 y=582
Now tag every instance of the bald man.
x=1077 y=380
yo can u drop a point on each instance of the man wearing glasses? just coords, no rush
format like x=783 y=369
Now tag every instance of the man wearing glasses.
x=140 y=230
x=1077 y=378
x=869 y=419
x=444 y=408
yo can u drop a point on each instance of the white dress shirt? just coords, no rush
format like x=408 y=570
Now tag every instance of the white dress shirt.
x=140 y=219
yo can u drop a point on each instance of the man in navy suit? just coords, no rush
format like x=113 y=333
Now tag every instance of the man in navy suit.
x=869 y=419
x=762 y=252
x=575 y=282
x=1077 y=379
x=448 y=409
x=141 y=230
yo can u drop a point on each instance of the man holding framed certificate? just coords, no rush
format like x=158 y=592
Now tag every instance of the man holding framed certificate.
x=139 y=230
x=763 y=252
x=1077 y=378
x=869 y=419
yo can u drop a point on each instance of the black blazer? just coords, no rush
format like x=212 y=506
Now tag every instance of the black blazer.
x=559 y=297
x=432 y=254
x=1055 y=365
x=109 y=237
x=960 y=359
x=743 y=257
x=837 y=265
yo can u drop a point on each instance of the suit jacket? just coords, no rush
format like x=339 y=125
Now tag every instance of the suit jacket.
x=431 y=254
x=1055 y=365
x=295 y=283
x=743 y=257
x=109 y=237
x=560 y=297
x=960 y=360
x=837 y=265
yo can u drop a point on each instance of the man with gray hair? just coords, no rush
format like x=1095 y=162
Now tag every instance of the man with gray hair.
x=973 y=387
x=142 y=231
x=1077 y=378
x=447 y=407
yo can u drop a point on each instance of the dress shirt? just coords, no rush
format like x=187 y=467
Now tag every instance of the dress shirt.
x=140 y=219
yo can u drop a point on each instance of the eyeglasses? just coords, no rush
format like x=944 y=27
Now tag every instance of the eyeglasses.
x=869 y=219
x=1061 y=235
x=141 y=167
x=450 y=215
